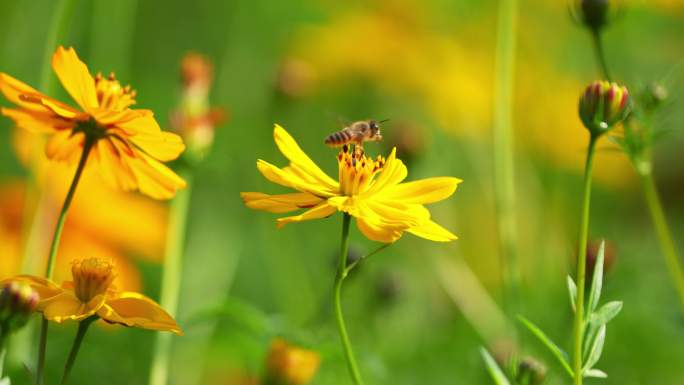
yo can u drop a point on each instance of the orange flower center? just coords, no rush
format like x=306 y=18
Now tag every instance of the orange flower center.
x=111 y=95
x=92 y=277
x=356 y=170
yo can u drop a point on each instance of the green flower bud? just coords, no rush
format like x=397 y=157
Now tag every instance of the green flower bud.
x=603 y=105
x=530 y=372
x=594 y=13
x=17 y=302
x=653 y=96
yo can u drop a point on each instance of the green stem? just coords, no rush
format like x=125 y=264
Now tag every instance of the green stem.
x=600 y=53
x=59 y=25
x=87 y=146
x=339 y=278
x=351 y=267
x=52 y=256
x=581 y=263
x=503 y=151
x=171 y=279
x=42 y=344
x=82 y=329
x=3 y=350
x=672 y=258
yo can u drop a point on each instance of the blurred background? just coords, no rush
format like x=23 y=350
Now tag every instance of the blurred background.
x=418 y=312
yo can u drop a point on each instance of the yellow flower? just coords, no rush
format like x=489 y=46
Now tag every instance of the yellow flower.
x=127 y=145
x=290 y=365
x=91 y=294
x=368 y=189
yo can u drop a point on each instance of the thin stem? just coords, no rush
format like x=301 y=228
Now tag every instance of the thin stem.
x=3 y=350
x=582 y=262
x=52 y=256
x=82 y=329
x=600 y=53
x=42 y=343
x=672 y=258
x=503 y=152
x=353 y=264
x=171 y=279
x=339 y=278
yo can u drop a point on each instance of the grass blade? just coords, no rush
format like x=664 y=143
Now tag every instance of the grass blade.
x=555 y=350
x=493 y=368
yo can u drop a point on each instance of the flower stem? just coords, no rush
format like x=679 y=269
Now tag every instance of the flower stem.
x=672 y=258
x=87 y=146
x=581 y=263
x=3 y=351
x=600 y=53
x=82 y=329
x=351 y=267
x=171 y=279
x=339 y=278
x=503 y=152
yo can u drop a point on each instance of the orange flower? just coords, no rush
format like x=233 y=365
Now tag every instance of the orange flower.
x=290 y=365
x=127 y=145
x=91 y=294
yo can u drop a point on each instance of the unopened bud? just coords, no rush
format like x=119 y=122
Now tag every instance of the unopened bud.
x=290 y=365
x=530 y=372
x=653 y=96
x=609 y=257
x=196 y=70
x=594 y=13
x=603 y=105
x=17 y=302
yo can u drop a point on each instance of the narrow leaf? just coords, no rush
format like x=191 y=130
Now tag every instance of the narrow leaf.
x=606 y=313
x=572 y=290
x=493 y=368
x=597 y=281
x=596 y=373
x=555 y=350
x=596 y=349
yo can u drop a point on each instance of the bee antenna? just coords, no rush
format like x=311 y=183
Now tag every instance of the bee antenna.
x=383 y=121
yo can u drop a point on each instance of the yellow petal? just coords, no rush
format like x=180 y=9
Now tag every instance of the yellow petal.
x=433 y=232
x=153 y=177
x=75 y=77
x=37 y=122
x=379 y=232
x=392 y=174
x=397 y=212
x=289 y=147
x=290 y=179
x=164 y=146
x=30 y=99
x=279 y=203
x=320 y=211
x=45 y=288
x=65 y=146
x=116 y=118
x=66 y=306
x=423 y=191
x=136 y=310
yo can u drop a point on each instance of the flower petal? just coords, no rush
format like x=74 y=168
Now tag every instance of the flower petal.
x=66 y=306
x=65 y=146
x=28 y=98
x=423 y=191
x=392 y=174
x=289 y=147
x=136 y=310
x=109 y=155
x=377 y=231
x=45 y=288
x=288 y=178
x=37 y=122
x=154 y=179
x=433 y=232
x=282 y=203
x=322 y=210
x=75 y=77
x=164 y=146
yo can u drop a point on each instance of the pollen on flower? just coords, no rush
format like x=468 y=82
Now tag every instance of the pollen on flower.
x=92 y=276
x=356 y=170
x=111 y=95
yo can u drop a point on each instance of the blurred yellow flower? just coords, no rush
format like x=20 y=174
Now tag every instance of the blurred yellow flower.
x=91 y=294
x=369 y=190
x=127 y=144
x=289 y=365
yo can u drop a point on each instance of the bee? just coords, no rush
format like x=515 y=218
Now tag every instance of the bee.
x=356 y=133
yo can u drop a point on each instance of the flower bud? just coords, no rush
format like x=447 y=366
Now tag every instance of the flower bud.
x=653 y=96
x=609 y=257
x=290 y=365
x=594 y=13
x=530 y=372
x=603 y=105
x=17 y=302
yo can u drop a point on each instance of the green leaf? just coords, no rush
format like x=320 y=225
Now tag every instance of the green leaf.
x=606 y=313
x=572 y=290
x=597 y=281
x=596 y=349
x=596 y=373
x=493 y=368
x=553 y=348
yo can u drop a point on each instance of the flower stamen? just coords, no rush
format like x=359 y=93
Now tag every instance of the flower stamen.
x=92 y=277
x=111 y=95
x=356 y=170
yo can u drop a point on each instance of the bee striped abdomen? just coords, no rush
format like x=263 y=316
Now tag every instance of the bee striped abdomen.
x=338 y=138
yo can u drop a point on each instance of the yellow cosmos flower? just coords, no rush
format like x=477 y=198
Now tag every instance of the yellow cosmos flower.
x=368 y=189
x=91 y=294
x=127 y=145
